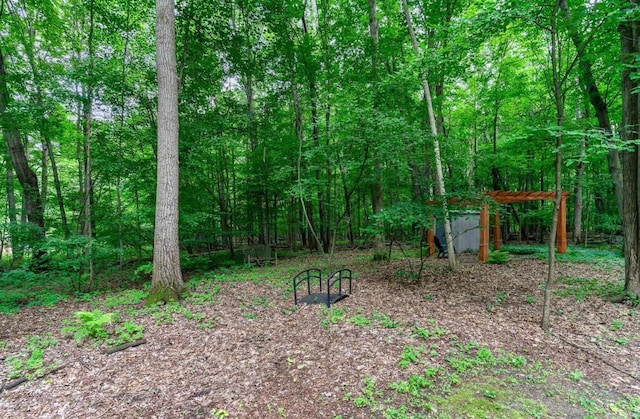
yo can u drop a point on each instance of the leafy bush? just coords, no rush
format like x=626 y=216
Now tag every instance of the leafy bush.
x=94 y=325
x=128 y=332
x=499 y=257
x=91 y=325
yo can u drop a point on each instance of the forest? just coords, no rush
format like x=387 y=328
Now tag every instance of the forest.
x=169 y=166
x=305 y=123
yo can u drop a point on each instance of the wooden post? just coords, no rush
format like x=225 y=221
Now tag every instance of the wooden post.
x=483 y=251
x=561 y=235
x=497 y=237
x=430 y=234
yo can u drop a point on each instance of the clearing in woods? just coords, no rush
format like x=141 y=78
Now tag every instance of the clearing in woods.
x=455 y=344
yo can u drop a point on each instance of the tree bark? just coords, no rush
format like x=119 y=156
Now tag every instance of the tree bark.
x=630 y=48
x=166 y=281
x=558 y=96
x=577 y=195
x=87 y=221
x=26 y=176
x=598 y=103
x=377 y=198
x=451 y=253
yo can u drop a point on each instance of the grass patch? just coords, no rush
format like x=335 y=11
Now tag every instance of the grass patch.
x=581 y=288
x=579 y=254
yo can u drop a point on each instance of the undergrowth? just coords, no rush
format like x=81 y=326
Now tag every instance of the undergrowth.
x=444 y=377
x=31 y=362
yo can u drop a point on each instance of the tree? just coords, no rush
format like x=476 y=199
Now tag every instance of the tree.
x=27 y=177
x=595 y=97
x=630 y=44
x=166 y=282
x=557 y=82
x=33 y=206
x=451 y=254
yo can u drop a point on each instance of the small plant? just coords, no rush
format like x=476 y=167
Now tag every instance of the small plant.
x=501 y=297
x=576 y=375
x=42 y=342
x=260 y=302
x=385 y=320
x=410 y=355
x=220 y=413
x=164 y=313
x=16 y=365
x=32 y=363
x=369 y=394
x=437 y=333
x=91 y=325
x=490 y=394
x=616 y=325
x=498 y=257
x=622 y=341
x=127 y=297
x=333 y=316
x=204 y=298
x=360 y=320
x=128 y=332
x=530 y=300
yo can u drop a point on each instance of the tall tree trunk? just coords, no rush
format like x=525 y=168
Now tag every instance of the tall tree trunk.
x=578 y=203
x=630 y=43
x=16 y=247
x=29 y=44
x=577 y=195
x=123 y=80
x=377 y=200
x=28 y=179
x=436 y=144
x=558 y=96
x=166 y=281
x=311 y=239
x=87 y=222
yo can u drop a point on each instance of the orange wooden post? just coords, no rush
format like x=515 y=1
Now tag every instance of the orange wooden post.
x=483 y=251
x=561 y=234
x=430 y=234
x=497 y=238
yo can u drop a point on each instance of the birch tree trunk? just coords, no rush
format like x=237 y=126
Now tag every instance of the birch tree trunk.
x=166 y=281
x=436 y=144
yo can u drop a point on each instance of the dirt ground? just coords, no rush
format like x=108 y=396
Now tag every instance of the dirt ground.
x=254 y=356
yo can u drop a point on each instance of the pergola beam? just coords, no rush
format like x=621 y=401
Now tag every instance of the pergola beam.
x=509 y=197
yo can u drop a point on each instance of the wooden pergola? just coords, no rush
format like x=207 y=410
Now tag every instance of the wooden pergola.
x=509 y=197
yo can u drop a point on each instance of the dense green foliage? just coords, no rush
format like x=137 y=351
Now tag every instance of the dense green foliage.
x=279 y=123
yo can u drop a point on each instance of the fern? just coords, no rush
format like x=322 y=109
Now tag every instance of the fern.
x=91 y=325
x=499 y=257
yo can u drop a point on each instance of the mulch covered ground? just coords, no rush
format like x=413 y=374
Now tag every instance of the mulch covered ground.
x=262 y=359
